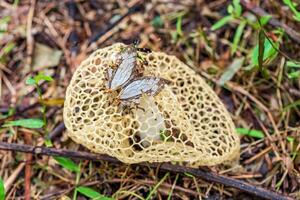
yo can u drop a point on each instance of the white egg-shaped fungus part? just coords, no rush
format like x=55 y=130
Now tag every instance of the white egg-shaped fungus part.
x=184 y=122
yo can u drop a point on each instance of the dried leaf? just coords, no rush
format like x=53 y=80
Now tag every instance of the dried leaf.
x=53 y=102
x=45 y=57
x=232 y=69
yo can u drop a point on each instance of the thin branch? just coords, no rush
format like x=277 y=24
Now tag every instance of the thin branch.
x=57 y=130
x=29 y=37
x=27 y=184
x=208 y=176
x=99 y=33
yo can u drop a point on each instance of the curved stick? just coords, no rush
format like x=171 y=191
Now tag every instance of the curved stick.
x=208 y=176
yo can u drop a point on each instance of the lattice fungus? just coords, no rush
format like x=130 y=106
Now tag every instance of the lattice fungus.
x=185 y=122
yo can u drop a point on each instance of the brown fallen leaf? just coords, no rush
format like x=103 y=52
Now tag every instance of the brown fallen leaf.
x=45 y=57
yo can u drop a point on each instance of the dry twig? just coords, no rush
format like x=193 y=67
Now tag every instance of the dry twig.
x=208 y=176
x=28 y=140
x=102 y=32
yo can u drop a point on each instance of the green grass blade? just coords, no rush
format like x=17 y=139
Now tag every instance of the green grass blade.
x=88 y=192
x=237 y=7
x=179 y=26
x=290 y=139
x=91 y=193
x=292 y=64
x=292 y=105
x=2 y=190
x=9 y=47
x=156 y=186
x=294 y=75
x=67 y=163
x=175 y=181
x=237 y=36
x=26 y=123
x=221 y=22
x=293 y=8
x=250 y=133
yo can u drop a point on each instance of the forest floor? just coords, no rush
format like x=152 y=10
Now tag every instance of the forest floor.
x=252 y=65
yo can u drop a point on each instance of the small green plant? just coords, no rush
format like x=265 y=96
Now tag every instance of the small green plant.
x=32 y=122
x=235 y=11
x=35 y=81
x=264 y=52
x=235 y=17
x=267 y=47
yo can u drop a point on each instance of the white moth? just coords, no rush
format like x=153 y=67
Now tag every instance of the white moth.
x=144 y=85
x=123 y=78
x=124 y=72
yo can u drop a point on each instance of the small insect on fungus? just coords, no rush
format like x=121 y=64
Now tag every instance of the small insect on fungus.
x=125 y=78
x=145 y=50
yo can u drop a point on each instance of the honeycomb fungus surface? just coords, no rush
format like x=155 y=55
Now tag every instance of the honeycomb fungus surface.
x=185 y=122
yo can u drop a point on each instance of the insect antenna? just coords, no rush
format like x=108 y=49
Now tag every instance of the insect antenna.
x=136 y=43
x=144 y=50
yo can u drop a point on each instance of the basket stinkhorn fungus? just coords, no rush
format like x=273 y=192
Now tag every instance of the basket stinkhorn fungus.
x=169 y=113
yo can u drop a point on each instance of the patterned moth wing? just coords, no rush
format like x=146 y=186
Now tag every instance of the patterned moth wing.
x=144 y=85
x=118 y=77
x=109 y=74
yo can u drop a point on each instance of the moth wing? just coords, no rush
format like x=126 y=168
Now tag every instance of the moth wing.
x=125 y=70
x=148 y=85
x=109 y=74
